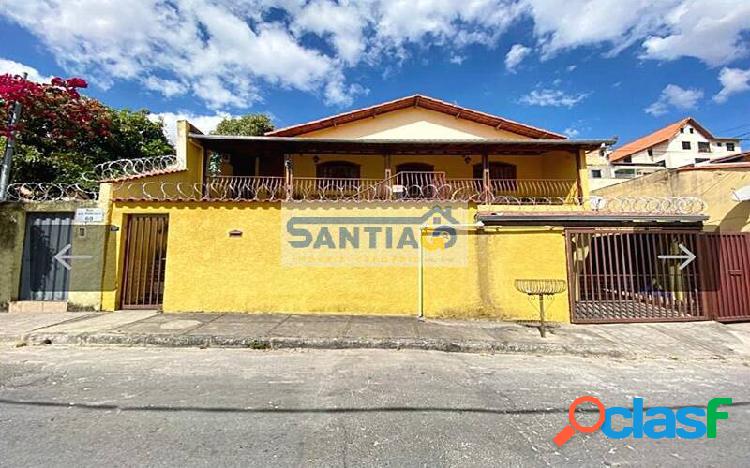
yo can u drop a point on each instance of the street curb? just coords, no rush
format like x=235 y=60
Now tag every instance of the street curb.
x=254 y=342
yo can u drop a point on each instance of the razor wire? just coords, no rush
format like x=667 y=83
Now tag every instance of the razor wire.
x=87 y=190
x=267 y=189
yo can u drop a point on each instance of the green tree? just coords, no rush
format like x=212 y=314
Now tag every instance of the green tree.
x=247 y=125
x=63 y=134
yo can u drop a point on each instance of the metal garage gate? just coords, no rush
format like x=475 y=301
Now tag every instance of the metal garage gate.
x=658 y=275
x=726 y=273
x=621 y=276
x=42 y=277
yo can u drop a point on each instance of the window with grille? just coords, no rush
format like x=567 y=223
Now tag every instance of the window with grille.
x=337 y=170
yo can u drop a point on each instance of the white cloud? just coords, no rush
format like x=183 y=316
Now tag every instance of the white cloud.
x=733 y=81
x=567 y=24
x=707 y=30
x=515 y=56
x=547 y=97
x=457 y=59
x=204 y=123
x=168 y=88
x=15 y=68
x=571 y=132
x=673 y=96
x=228 y=53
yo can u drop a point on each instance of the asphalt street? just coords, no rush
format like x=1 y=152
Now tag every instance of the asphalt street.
x=116 y=406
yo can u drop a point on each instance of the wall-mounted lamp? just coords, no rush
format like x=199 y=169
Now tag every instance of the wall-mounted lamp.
x=316 y=159
x=467 y=159
x=235 y=233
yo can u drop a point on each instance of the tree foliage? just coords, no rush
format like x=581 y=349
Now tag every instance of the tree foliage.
x=247 y=125
x=63 y=134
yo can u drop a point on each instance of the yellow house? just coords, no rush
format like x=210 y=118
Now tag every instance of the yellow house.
x=413 y=206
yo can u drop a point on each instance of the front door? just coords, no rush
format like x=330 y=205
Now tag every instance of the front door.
x=145 y=261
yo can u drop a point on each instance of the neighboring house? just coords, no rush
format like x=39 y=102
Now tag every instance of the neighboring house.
x=677 y=145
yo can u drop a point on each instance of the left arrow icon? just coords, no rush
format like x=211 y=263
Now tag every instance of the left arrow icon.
x=63 y=258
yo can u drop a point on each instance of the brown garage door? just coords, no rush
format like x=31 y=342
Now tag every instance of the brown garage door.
x=145 y=261
x=726 y=270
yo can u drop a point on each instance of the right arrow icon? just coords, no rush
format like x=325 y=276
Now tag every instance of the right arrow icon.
x=688 y=257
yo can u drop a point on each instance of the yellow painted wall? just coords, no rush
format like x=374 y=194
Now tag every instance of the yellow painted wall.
x=209 y=271
x=413 y=123
x=552 y=165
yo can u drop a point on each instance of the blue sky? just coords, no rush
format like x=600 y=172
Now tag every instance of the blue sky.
x=586 y=68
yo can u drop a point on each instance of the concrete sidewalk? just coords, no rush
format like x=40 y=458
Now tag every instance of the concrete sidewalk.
x=696 y=340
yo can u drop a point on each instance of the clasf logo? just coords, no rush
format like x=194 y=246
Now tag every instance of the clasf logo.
x=659 y=422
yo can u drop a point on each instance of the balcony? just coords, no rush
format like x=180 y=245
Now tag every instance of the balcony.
x=403 y=186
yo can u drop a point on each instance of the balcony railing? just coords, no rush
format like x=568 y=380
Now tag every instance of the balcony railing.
x=245 y=188
x=519 y=192
x=314 y=188
x=404 y=186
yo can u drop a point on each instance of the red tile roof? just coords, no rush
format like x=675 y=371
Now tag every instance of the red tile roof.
x=142 y=175
x=424 y=102
x=659 y=136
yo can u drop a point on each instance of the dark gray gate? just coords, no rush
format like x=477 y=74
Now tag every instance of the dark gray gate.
x=42 y=277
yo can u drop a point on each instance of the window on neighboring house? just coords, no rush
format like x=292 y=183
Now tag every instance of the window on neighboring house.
x=596 y=173
x=730 y=146
x=625 y=174
x=692 y=130
x=337 y=170
x=627 y=159
x=682 y=130
x=704 y=147
x=686 y=145
x=719 y=144
x=701 y=160
x=650 y=151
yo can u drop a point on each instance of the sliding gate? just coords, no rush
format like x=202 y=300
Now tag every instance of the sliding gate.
x=621 y=276
x=657 y=276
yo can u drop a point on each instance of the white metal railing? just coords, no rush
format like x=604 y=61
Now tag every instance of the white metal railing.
x=400 y=187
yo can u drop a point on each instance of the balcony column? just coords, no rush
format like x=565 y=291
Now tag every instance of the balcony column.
x=387 y=176
x=581 y=177
x=288 y=176
x=486 y=178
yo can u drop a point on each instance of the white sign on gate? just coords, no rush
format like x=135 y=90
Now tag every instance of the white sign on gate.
x=89 y=216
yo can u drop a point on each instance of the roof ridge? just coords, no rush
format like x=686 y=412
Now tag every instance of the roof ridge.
x=419 y=100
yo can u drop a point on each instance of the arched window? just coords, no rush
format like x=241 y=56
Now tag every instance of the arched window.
x=498 y=170
x=337 y=170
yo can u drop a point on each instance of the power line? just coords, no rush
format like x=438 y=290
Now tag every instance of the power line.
x=735 y=128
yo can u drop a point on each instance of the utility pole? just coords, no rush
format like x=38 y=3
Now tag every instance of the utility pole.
x=10 y=144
